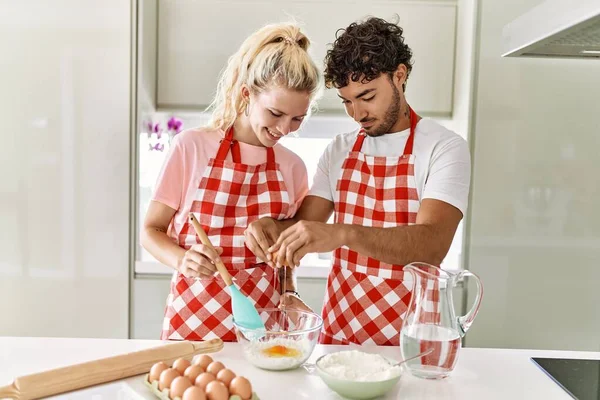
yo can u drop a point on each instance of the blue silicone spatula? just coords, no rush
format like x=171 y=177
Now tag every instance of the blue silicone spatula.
x=244 y=312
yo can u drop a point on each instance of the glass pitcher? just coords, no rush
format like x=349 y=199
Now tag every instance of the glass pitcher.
x=431 y=325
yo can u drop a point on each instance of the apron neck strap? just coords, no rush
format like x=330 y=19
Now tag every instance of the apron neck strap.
x=229 y=142
x=270 y=155
x=408 y=148
x=359 y=140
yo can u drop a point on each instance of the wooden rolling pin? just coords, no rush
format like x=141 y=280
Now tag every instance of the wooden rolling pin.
x=109 y=369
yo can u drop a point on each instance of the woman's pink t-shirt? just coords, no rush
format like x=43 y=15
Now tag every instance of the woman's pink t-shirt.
x=188 y=157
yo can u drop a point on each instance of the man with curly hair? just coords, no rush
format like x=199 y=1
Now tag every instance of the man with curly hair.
x=398 y=187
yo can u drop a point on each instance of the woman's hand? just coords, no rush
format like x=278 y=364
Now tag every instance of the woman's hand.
x=199 y=262
x=291 y=301
x=260 y=235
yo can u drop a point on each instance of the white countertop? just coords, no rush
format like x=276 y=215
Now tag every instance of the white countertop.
x=479 y=374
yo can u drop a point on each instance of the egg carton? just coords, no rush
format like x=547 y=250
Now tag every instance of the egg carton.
x=164 y=394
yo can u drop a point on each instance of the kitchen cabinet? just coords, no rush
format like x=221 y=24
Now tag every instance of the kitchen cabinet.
x=195 y=39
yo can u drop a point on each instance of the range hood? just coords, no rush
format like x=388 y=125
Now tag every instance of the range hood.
x=555 y=28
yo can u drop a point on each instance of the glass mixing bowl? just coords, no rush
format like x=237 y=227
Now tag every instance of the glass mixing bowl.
x=287 y=341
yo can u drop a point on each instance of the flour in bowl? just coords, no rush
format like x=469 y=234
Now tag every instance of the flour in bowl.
x=358 y=366
x=278 y=353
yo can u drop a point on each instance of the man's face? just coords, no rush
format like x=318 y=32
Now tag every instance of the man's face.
x=375 y=105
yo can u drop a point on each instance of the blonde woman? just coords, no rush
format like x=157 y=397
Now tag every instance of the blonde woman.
x=229 y=174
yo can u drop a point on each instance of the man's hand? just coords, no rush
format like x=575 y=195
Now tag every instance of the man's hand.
x=306 y=237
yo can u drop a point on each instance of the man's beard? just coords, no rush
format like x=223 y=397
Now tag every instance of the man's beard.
x=391 y=116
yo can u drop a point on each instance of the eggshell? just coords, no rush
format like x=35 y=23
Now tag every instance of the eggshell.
x=193 y=371
x=181 y=365
x=194 y=393
x=204 y=360
x=203 y=379
x=216 y=390
x=156 y=370
x=166 y=377
x=215 y=367
x=274 y=258
x=241 y=386
x=225 y=376
x=179 y=386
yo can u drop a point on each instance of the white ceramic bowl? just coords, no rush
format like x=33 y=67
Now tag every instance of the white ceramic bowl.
x=288 y=341
x=359 y=390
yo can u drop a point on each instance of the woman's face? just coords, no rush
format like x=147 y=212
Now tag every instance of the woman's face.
x=276 y=112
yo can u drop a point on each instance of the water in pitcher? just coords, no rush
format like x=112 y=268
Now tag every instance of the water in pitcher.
x=445 y=343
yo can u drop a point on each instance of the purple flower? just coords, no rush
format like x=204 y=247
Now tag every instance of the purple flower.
x=174 y=125
x=157 y=146
x=157 y=128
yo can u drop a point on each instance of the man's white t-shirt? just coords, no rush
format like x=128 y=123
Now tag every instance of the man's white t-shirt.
x=442 y=162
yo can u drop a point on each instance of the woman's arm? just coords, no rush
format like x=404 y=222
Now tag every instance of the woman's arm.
x=198 y=261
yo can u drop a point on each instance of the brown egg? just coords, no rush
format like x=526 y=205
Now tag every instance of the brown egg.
x=216 y=390
x=225 y=376
x=203 y=361
x=241 y=386
x=193 y=371
x=156 y=370
x=214 y=367
x=203 y=379
x=181 y=365
x=178 y=386
x=194 y=393
x=166 y=377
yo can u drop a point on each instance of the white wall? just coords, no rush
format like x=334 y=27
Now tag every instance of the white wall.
x=64 y=167
x=535 y=224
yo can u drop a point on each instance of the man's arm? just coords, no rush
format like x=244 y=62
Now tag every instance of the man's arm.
x=427 y=241
x=314 y=208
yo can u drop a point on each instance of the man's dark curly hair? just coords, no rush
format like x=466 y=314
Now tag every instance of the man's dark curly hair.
x=366 y=49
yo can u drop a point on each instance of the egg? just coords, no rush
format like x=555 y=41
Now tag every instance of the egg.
x=194 y=393
x=178 y=386
x=193 y=371
x=166 y=377
x=181 y=365
x=216 y=390
x=203 y=379
x=241 y=386
x=225 y=376
x=156 y=370
x=203 y=361
x=214 y=367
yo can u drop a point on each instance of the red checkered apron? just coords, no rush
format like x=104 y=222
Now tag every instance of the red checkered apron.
x=230 y=196
x=366 y=299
